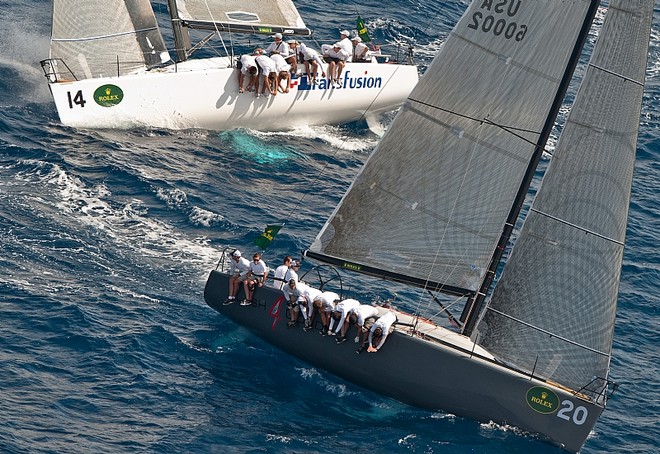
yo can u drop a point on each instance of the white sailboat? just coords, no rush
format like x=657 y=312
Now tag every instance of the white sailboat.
x=109 y=68
x=436 y=209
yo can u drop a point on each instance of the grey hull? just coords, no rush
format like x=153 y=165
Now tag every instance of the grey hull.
x=424 y=373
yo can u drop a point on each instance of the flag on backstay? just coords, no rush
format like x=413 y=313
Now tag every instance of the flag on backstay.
x=264 y=240
x=362 y=30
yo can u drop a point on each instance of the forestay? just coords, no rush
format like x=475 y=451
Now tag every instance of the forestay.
x=563 y=274
x=432 y=199
x=254 y=16
x=105 y=37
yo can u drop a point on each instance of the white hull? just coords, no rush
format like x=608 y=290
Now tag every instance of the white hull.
x=204 y=94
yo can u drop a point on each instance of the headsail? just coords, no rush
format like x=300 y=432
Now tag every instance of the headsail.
x=252 y=16
x=563 y=274
x=432 y=199
x=105 y=37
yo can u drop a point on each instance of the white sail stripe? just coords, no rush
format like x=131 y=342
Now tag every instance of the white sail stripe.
x=620 y=243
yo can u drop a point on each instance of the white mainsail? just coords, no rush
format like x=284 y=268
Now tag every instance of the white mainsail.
x=439 y=186
x=109 y=38
x=563 y=274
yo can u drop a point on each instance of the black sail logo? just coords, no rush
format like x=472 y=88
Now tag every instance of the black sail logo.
x=108 y=95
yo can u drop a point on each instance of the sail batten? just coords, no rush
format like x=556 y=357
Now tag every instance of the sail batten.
x=563 y=273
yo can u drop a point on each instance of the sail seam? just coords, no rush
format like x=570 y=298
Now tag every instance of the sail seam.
x=112 y=35
x=570 y=224
x=473 y=138
x=628 y=79
x=478 y=120
x=549 y=333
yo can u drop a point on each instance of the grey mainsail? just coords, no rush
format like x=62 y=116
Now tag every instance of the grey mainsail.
x=563 y=274
x=439 y=186
x=254 y=16
x=105 y=37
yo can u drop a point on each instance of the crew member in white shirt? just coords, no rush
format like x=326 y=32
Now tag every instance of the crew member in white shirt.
x=268 y=73
x=339 y=315
x=360 y=51
x=278 y=46
x=309 y=294
x=293 y=56
x=325 y=305
x=248 y=66
x=255 y=278
x=379 y=332
x=335 y=56
x=357 y=317
x=283 y=74
x=279 y=276
x=345 y=42
x=293 y=293
x=292 y=272
x=240 y=267
x=312 y=61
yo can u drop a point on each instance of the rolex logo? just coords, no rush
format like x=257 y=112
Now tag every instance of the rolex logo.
x=542 y=400
x=108 y=95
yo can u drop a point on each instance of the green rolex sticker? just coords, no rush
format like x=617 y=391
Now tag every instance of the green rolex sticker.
x=542 y=400
x=108 y=95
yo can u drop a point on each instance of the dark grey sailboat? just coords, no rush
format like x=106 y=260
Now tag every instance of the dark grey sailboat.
x=436 y=203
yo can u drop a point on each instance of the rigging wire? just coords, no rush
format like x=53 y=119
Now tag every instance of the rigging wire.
x=217 y=30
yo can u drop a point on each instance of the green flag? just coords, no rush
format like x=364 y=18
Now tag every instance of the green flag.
x=362 y=30
x=264 y=240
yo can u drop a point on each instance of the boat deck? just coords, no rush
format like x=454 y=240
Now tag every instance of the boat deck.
x=411 y=325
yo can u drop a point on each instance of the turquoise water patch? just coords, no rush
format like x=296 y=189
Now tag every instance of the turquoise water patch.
x=258 y=150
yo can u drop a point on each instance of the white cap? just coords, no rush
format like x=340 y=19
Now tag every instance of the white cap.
x=277 y=35
x=344 y=33
x=356 y=38
x=236 y=253
x=336 y=45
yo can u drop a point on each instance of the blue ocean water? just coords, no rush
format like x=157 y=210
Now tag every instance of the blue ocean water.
x=107 y=238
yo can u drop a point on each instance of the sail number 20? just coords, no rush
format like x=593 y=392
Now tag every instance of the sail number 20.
x=570 y=412
x=77 y=99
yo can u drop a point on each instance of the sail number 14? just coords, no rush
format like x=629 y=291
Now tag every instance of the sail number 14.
x=77 y=99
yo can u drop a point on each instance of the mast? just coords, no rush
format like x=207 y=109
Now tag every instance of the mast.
x=181 y=38
x=474 y=306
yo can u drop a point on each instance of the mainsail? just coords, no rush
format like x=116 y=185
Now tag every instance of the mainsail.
x=438 y=188
x=252 y=16
x=105 y=38
x=552 y=311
